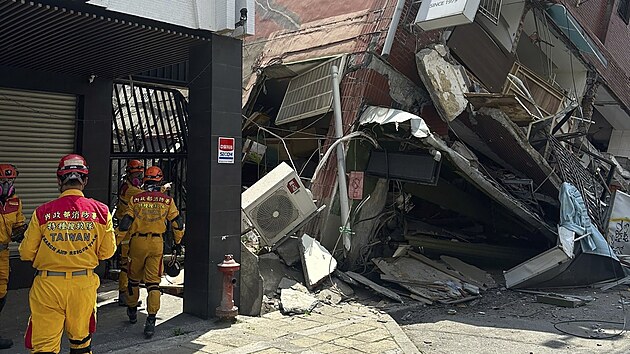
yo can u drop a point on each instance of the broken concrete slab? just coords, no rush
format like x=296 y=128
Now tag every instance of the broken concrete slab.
x=251 y=284
x=317 y=262
x=272 y=270
x=289 y=251
x=287 y=283
x=329 y=297
x=295 y=302
x=378 y=288
x=479 y=276
x=444 y=82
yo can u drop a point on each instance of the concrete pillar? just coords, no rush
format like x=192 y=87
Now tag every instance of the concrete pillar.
x=213 y=210
x=94 y=141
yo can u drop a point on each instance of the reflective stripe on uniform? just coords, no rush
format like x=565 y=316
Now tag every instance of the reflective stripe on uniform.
x=49 y=273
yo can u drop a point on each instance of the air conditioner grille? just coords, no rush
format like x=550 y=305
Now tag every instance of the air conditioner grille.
x=274 y=214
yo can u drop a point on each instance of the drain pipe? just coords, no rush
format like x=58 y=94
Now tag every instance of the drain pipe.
x=393 y=26
x=341 y=162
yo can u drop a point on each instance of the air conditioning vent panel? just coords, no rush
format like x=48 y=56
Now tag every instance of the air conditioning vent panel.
x=277 y=203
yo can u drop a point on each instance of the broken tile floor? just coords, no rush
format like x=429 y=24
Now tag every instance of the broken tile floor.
x=500 y=322
x=346 y=328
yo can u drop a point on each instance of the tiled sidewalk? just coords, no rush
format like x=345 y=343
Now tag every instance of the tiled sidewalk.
x=347 y=328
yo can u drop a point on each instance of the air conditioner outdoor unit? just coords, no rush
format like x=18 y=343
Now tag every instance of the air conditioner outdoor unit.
x=277 y=204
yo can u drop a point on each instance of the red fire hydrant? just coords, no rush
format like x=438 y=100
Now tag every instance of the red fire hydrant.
x=227 y=310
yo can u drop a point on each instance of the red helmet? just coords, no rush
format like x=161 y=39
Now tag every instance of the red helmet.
x=72 y=163
x=135 y=166
x=153 y=173
x=8 y=171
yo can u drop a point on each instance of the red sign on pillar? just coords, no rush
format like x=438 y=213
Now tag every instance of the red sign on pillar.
x=226 y=150
x=355 y=185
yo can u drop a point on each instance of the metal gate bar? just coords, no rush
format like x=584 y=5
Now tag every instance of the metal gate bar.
x=150 y=124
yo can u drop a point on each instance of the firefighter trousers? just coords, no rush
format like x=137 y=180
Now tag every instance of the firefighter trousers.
x=123 y=279
x=4 y=272
x=145 y=262
x=59 y=303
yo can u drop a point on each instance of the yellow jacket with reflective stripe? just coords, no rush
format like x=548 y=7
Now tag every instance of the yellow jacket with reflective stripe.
x=150 y=212
x=11 y=217
x=68 y=234
x=127 y=190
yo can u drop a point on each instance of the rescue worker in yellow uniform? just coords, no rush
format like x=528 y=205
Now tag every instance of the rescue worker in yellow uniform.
x=131 y=187
x=11 y=229
x=65 y=240
x=146 y=221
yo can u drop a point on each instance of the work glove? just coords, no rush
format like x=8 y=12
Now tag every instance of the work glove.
x=18 y=233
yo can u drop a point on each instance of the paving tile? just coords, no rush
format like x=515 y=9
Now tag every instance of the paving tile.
x=357 y=328
x=326 y=336
x=329 y=348
x=373 y=335
x=381 y=346
x=270 y=351
x=348 y=343
x=276 y=315
x=305 y=342
x=208 y=347
x=298 y=325
x=270 y=332
x=325 y=319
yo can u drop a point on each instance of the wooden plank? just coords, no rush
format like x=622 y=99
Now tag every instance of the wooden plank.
x=480 y=277
x=379 y=289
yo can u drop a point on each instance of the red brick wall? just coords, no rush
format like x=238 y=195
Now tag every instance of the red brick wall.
x=616 y=47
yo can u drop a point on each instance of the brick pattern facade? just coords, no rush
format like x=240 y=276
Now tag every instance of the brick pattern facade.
x=612 y=37
x=366 y=86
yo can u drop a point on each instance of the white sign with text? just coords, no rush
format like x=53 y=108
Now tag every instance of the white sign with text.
x=434 y=14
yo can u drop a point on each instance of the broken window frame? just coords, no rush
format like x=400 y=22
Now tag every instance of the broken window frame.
x=491 y=9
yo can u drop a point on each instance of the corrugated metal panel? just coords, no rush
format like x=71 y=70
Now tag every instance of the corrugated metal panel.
x=37 y=129
x=72 y=37
x=309 y=94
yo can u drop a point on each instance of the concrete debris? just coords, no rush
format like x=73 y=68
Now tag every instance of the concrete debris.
x=317 y=262
x=470 y=271
x=251 y=284
x=560 y=300
x=378 y=288
x=289 y=251
x=345 y=278
x=329 y=297
x=286 y=283
x=339 y=286
x=444 y=82
x=272 y=270
x=295 y=302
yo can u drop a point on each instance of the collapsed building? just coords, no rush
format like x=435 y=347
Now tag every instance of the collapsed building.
x=460 y=133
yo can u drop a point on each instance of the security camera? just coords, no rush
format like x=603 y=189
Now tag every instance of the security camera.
x=243 y=18
x=91 y=79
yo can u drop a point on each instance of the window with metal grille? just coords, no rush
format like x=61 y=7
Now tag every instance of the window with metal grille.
x=410 y=17
x=623 y=9
x=491 y=9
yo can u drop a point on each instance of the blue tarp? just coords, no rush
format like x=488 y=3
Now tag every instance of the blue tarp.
x=574 y=216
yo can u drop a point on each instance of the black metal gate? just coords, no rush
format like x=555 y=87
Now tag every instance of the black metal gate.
x=150 y=124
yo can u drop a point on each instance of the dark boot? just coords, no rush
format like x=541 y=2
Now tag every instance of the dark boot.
x=132 y=313
x=149 y=326
x=122 y=299
x=4 y=343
